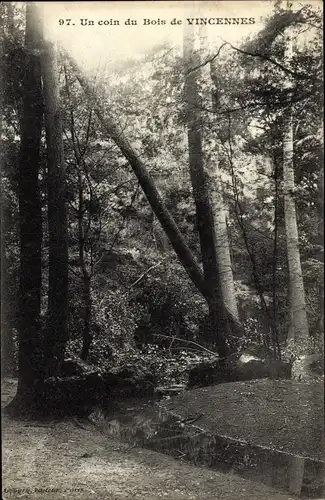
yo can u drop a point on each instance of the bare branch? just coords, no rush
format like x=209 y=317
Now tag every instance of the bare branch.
x=186 y=342
x=207 y=61
x=146 y=273
x=269 y=59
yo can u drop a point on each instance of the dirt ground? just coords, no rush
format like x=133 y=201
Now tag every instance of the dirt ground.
x=56 y=460
x=282 y=415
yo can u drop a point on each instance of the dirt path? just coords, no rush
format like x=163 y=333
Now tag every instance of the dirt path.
x=57 y=460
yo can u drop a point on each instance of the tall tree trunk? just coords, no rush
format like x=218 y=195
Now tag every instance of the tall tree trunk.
x=6 y=335
x=7 y=342
x=57 y=320
x=148 y=186
x=222 y=245
x=219 y=326
x=297 y=303
x=30 y=212
x=220 y=218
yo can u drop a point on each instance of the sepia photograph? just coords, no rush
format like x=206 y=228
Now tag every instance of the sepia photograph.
x=162 y=240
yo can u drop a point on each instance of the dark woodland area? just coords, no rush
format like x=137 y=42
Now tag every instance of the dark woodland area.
x=162 y=220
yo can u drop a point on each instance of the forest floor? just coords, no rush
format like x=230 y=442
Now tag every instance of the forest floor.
x=56 y=460
x=283 y=415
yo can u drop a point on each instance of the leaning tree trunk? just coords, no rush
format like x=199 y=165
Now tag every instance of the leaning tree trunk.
x=219 y=326
x=297 y=303
x=30 y=214
x=148 y=186
x=57 y=319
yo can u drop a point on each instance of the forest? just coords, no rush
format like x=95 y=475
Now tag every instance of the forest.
x=162 y=252
x=161 y=218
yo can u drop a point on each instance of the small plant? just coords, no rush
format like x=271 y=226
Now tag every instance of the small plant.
x=311 y=346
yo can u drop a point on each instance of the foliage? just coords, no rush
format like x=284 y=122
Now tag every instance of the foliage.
x=169 y=366
x=142 y=302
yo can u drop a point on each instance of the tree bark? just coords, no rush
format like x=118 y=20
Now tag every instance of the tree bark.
x=7 y=343
x=6 y=331
x=222 y=248
x=297 y=303
x=219 y=326
x=220 y=218
x=57 y=320
x=30 y=212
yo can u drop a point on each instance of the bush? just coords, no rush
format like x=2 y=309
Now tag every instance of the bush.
x=167 y=306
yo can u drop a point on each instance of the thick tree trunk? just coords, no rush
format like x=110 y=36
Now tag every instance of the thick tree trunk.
x=223 y=250
x=146 y=182
x=6 y=331
x=297 y=304
x=200 y=185
x=219 y=214
x=57 y=320
x=7 y=343
x=30 y=213
x=3 y=13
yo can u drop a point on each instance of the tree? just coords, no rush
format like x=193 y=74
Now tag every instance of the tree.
x=11 y=43
x=283 y=101
x=86 y=210
x=7 y=343
x=271 y=103
x=177 y=241
x=219 y=327
x=297 y=303
x=6 y=337
x=57 y=314
x=30 y=213
x=222 y=243
x=220 y=213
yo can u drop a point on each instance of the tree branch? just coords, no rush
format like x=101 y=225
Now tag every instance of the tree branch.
x=146 y=273
x=186 y=342
x=207 y=61
x=269 y=59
